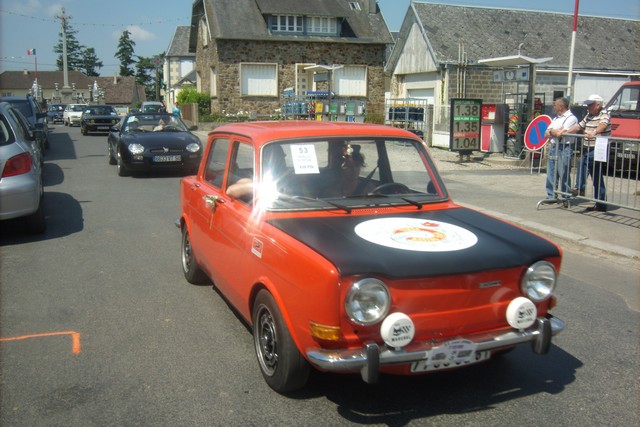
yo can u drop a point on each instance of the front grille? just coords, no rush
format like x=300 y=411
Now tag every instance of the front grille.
x=172 y=150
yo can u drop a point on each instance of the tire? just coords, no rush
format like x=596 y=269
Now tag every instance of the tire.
x=283 y=367
x=83 y=130
x=36 y=223
x=112 y=160
x=190 y=267
x=122 y=171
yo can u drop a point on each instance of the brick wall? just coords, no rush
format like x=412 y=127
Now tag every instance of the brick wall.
x=226 y=55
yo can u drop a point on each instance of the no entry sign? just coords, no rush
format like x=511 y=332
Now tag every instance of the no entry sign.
x=534 y=135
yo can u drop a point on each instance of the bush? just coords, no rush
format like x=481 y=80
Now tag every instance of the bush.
x=192 y=96
x=374 y=118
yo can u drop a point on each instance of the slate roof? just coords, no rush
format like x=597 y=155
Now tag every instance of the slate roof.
x=601 y=43
x=244 y=20
x=179 y=45
x=123 y=91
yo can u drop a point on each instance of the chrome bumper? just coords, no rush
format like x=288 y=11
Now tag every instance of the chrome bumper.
x=369 y=359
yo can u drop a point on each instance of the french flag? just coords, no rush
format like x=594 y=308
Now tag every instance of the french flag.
x=31 y=51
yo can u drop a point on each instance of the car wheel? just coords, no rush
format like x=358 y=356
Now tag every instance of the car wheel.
x=112 y=160
x=283 y=367
x=122 y=171
x=190 y=267
x=36 y=223
x=83 y=130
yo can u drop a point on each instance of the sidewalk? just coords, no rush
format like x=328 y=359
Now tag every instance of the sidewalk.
x=510 y=190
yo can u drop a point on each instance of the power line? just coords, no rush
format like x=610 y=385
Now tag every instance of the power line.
x=97 y=24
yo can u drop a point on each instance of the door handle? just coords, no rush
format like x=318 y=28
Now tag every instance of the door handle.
x=212 y=202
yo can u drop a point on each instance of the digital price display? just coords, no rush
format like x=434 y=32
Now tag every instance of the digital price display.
x=465 y=124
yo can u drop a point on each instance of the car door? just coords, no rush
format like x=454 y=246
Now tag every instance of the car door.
x=219 y=221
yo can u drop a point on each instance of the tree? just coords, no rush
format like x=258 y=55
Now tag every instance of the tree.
x=145 y=72
x=75 y=50
x=90 y=62
x=125 y=54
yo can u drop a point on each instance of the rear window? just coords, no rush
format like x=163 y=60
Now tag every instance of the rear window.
x=23 y=106
x=5 y=135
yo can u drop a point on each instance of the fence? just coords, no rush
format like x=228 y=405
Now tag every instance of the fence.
x=606 y=175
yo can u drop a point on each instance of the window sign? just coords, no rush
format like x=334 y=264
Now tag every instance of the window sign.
x=465 y=124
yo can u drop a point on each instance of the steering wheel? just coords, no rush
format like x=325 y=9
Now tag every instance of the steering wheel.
x=390 y=188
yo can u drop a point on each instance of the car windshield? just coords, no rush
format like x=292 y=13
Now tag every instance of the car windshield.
x=100 y=111
x=346 y=173
x=153 y=123
x=77 y=107
x=23 y=106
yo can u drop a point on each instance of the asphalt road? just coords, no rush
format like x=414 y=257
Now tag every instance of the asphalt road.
x=98 y=327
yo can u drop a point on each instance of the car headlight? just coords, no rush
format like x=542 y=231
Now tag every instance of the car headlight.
x=368 y=301
x=193 y=147
x=539 y=281
x=136 y=149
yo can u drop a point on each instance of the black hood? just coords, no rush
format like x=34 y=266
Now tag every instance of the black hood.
x=499 y=245
x=160 y=139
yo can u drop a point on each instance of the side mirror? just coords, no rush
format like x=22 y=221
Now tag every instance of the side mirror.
x=115 y=129
x=41 y=115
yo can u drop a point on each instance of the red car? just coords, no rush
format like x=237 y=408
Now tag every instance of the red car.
x=339 y=244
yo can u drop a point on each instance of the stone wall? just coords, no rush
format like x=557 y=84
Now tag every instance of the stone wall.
x=226 y=55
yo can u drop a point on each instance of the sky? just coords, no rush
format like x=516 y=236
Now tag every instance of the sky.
x=32 y=24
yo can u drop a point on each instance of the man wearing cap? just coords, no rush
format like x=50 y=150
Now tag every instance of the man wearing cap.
x=561 y=149
x=595 y=124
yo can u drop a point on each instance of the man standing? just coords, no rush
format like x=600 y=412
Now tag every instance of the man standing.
x=561 y=149
x=596 y=123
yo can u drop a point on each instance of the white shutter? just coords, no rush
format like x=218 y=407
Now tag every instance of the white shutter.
x=259 y=79
x=350 y=81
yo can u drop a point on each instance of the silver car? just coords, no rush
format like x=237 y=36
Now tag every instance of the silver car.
x=21 y=189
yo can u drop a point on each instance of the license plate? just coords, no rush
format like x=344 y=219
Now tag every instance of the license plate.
x=451 y=354
x=159 y=159
x=103 y=127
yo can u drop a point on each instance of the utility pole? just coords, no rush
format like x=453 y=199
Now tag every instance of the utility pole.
x=65 y=72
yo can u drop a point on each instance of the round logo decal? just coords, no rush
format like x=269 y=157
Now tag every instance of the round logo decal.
x=415 y=234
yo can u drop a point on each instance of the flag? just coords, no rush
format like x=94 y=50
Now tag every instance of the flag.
x=31 y=51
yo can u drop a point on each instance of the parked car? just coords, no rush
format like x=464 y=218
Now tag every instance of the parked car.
x=21 y=189
x=341 y=247
x=157 y=141
x=152 y=107
x=55 y=113
x=98 y=118
x=624 y=144
x=73 y=114
x=30 y=108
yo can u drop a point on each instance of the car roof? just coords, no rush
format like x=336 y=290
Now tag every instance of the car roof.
x=262 y=132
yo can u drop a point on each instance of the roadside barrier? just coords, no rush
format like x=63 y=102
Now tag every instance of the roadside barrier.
x=606 y=174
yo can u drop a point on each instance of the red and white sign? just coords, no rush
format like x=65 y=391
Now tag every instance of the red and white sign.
x=534 y=135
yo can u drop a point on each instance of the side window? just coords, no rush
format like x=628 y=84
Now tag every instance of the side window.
x=214 y=172
x=241 y=166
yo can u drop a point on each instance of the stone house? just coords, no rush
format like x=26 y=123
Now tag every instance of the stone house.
x=445 y=51
x=178 y=64
x=249 y=52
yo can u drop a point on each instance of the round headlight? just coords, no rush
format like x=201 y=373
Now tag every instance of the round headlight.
x=136 y=149
x=539 y=281
x=193 y=147
x=368 y=301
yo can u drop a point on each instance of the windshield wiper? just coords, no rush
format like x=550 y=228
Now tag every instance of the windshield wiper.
x=311 y=199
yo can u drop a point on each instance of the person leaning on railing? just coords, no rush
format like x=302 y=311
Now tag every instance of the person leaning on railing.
x=596 y=123
x=560 y=150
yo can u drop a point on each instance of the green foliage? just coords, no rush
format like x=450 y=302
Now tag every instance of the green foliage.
x=374 y=118
x=192 y=96
x=90 y=62
x=125 y=54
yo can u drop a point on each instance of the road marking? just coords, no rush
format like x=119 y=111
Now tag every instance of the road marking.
x=75 y=338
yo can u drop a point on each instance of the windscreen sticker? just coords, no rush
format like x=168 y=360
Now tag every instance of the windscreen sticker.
x=304 y=158
x=415 y=234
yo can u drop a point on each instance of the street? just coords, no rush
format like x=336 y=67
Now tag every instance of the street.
x=99 y=327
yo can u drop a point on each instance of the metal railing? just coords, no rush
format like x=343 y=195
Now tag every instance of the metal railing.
x=606 y=175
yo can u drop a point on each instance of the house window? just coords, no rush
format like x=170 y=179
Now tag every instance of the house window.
x=321 y=25
x=203 y=33
x=354 y=5
x=286 y=23
x=259 y=79
x=213 y=82
x=350 y=81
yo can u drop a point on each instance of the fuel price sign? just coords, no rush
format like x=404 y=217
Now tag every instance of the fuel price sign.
x=465 y=124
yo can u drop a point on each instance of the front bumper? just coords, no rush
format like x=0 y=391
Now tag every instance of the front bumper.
x=369 y=359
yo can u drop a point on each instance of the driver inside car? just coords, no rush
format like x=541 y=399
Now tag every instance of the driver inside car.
x=344 y=178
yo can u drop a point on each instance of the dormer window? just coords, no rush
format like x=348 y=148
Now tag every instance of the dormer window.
x=354 y=5
x=286 y=23
x=321 y=25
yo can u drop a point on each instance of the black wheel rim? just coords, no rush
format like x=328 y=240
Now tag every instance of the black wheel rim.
x=267 y=342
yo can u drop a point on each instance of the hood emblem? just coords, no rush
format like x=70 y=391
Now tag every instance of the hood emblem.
x=165 y=149
x=490 y=284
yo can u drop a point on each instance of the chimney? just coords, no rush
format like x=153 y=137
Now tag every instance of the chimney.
x=373 y=6
x=25 y=72
x=115 y=78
